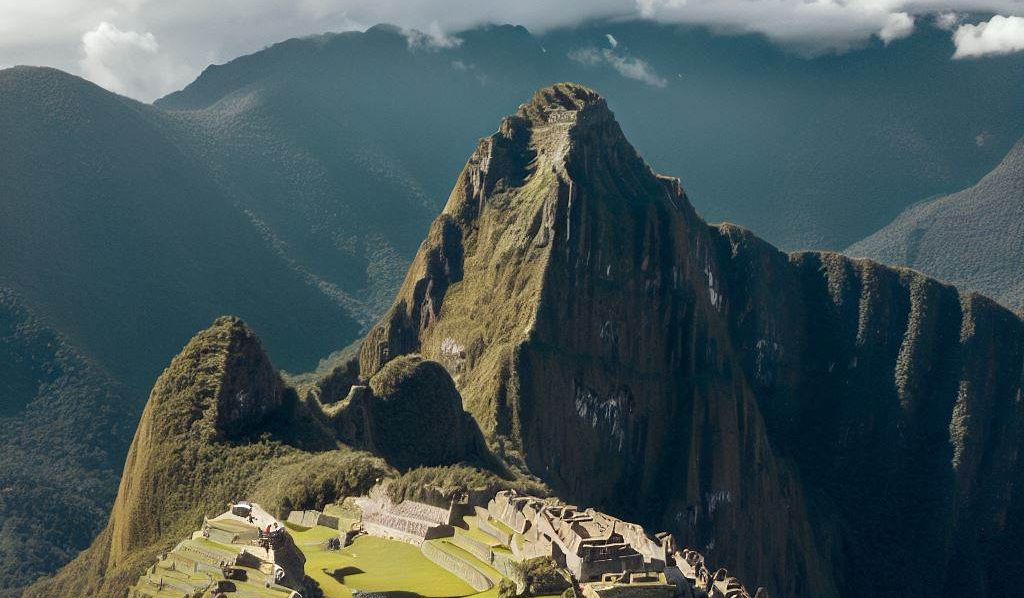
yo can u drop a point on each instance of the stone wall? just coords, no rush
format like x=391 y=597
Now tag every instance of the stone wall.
x=625 y=591
x=494 y=532
x=461 y=568
x=408 y=521
x=716 y=585
x=473 y=547
x=509 y=567
x=312 y=519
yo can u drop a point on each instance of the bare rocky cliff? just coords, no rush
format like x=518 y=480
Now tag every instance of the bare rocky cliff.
x=822 y=426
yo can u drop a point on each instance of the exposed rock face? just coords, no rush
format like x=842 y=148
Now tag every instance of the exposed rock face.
x=821 y=426
x=412 y=415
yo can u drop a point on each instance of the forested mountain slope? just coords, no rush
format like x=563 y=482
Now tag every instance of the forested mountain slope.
x=813 y=152
x=973 y=238
x=65 y=423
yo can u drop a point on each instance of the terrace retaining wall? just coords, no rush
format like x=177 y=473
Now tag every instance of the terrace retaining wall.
x=459 y=567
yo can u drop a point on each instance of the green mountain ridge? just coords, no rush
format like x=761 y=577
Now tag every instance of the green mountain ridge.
x=221 y=424
x=133 y=246
x=973 y=238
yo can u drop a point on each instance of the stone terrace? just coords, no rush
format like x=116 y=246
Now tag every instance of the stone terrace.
x=225 y=558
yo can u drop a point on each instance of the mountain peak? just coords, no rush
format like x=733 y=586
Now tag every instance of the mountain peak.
x=554 y=101
x=221 y=383
x=626 y=353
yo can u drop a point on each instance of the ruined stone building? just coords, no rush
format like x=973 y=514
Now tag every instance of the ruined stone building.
x=588 y=543
x=407 y=521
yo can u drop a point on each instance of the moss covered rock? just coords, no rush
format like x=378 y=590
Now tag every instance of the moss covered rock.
x=412 y=415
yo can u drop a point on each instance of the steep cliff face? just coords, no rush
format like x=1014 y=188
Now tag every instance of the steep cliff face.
x=823 y=426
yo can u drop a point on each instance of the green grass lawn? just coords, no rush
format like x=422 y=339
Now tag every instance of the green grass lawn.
x=375 y=564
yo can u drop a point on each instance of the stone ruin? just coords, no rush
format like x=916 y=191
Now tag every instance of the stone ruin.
x=612 y=557
x=407 y=521
x=244 y=552
x=714 y=585
x=588 y=543
x=312 y=518
x=609 y=557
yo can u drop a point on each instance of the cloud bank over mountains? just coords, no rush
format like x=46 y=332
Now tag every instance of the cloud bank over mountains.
x=998 y=35
x=146 y=48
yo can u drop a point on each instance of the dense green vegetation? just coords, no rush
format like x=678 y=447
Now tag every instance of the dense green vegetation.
x=973 y=238
x=146 y=245
x=542 y=577
x=65 y=422
x=418 y=418
x=314 y=482
x=439 y=485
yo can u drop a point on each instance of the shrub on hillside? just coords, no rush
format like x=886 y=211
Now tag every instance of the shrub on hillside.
x=312 y=482
x=439 y=485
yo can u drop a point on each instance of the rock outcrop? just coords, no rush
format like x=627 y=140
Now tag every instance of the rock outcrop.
x=822 y=426
x=412 y=415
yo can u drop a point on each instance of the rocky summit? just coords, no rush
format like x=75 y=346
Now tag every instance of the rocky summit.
x=823 y=426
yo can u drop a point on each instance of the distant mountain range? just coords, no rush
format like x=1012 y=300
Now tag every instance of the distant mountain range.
x=801 y=418
x=973 y=238
x=293 y=186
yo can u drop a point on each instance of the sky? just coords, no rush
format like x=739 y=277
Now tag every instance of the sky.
x=147 y=48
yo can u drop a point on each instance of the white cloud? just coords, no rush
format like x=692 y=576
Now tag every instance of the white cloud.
x=634 y=68
x=998 y=35
x=587 y=56
x=434 y=38
x=129 y=63
x=947 y=21
x=627 y=66
x=614 y=43
x=898 y=25
x=816 y=25
x=195 y=33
